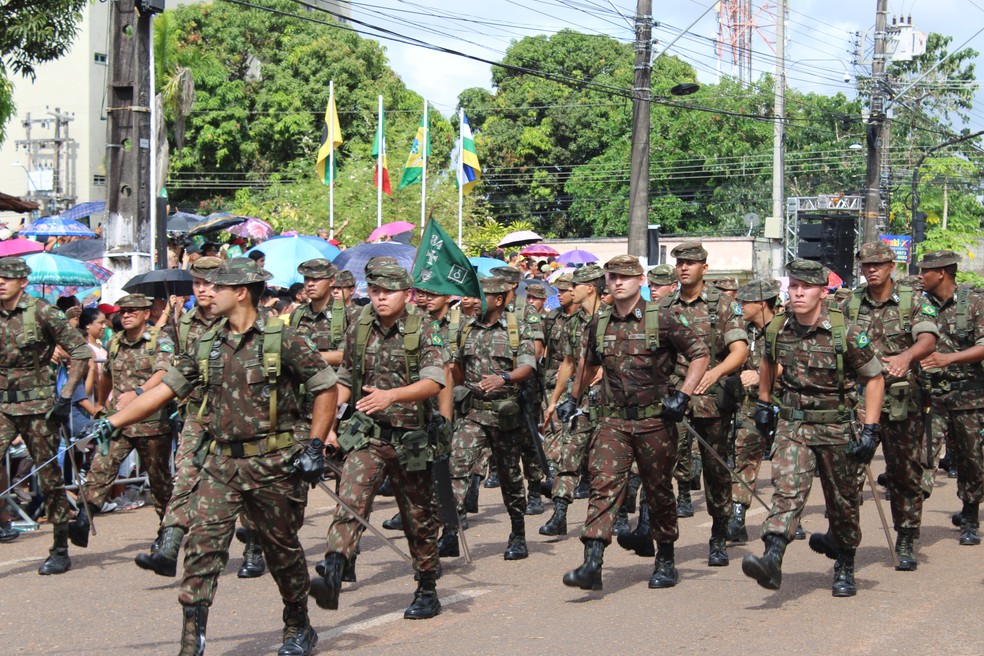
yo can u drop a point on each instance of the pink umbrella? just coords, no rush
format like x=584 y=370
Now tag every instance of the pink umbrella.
x=539 y=250
x=253 y=228
x=101 y=273
x=389 y=230
x=19 y=247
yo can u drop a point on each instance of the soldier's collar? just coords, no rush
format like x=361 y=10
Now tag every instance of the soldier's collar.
x=637 y=313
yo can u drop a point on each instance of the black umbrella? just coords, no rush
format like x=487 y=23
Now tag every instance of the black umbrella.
x=161 y=283
x=183 y=221
x=85 y=250
x=216 y=222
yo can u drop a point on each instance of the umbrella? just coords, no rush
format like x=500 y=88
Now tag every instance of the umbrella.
x=284 y=254
x=19 y=247
x=520 y=238
x=484 y=265
x=51 y=293
x=834 y=281
x=354 y=259
x=83 y=210
x=216 y=222
x=48 y=269
x=552 y=278
x=389 y=230
x=101 y=273
x=84 y=250
x=253 y=228
x=552 y=299
x=183 y=221
x=577 y=256
x=327 y=250
x=57 y=226
x=539 y=250
x=161 y=283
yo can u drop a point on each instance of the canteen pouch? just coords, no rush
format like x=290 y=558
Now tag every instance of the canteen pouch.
x=201 y=449
x=897 y=401
x=356 y=432
x=729 y=394
x=413 y=452
x=462 y=400
x=510 y=415
x=440 y=432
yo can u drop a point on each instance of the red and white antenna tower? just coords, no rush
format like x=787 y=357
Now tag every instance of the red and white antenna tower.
x=738 y=23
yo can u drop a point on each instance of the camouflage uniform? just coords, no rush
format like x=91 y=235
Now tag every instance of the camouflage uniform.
x=556 y=326
x=130 y=364
x=27 y=392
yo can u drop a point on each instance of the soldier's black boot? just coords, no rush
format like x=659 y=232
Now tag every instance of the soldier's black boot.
x=471 y=496
x=58 y=561
x=717 y=555
x=632 y=491
x=767 y=570
x=193 y=630
x=904 y=549
x=299 y=636
x=348 y=574
x=8 y=534
x=394 y=523
x=640 y=540
x=557 y=524
x=583 y=489
x=447 y=544
x=844 y=585
x=156 y=544
x=969 y=518
x=534 y=502
x=425 y=602
x=164 y=561
x=621 y=522
x=698 y=468
x=826 y=544
x=665 y=573
x=588 y=575
x=685 y=506
x=737 y=532
x=493 y=479
x=386 y=489
x=516 y=549
x=78 y=528
x=326 y=588
x=253 y=563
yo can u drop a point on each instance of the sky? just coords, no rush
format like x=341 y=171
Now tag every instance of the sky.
x=819 y=52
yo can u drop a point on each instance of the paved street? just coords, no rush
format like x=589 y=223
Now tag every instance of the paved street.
x=107 y=605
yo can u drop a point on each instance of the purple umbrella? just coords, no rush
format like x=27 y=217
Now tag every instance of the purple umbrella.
x=577 y=256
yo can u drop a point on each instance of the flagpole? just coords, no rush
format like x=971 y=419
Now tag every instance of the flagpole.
x=461 y=170
x=379 y=166
x=331 y=163
x=423 y=180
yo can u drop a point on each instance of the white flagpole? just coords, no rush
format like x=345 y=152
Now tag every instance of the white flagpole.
x=423 y=180
x=379 y=166
x=331 y=163
x=461 y=170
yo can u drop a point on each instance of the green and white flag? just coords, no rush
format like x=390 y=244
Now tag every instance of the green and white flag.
x=442 y=268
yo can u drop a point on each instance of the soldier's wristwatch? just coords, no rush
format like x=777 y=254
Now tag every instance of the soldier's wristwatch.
x=138 y=391
x=505 y=377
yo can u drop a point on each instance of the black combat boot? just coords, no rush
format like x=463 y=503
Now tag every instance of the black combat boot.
x=685 y=506
x=348 y=574
x=58 y=561
x=621 y=524
x=800 y=534
x=534 y=502
x=425 y=602
x=78 y=528
x=299 y=636
x=8 y=534
x=588 y=575
x=156 y=544
x=326 y=587
x=904 y=549
x=583 y=489
x=386 y=489
x=767 y=570
x=253 y=563
x=516 y=549
x=640 y=540
x=969 y=518
x=632 y=491
x=718 y=545
x=471 y=496
x=193 y=630
x=164 y=561
x=394 y=523
x=956 y=519
x=826 y=544
x=665 y=573
x=493 y=479
x=447 y=545
x=844 y=585
x=737 y=532
x=557 y=524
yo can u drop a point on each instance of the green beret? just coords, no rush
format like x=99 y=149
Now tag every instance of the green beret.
x=625 y=265
x=201 y=267
x=319 y=268
x=564 y=282
x=344 y=278
x=931 y=260
x=536 y=290
x=875 y=252
x=380 y=260
x=14 y=267
x=810 y=272
x=587 y=273
x=758 y=290
x=238 y=271
x=662 y=274
x=690 y=250
x=494 y=285
x=389 y=276
x=727 y=284
x=507 y=273
x=134 y=302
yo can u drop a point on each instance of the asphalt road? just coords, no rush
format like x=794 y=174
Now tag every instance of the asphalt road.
x=107 y=605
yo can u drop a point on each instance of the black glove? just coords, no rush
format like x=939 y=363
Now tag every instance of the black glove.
x=62 y=409
x=675 y=406
x=764 y=414
x=863 y=450
x=102 y=431
x=310 y=462
x=566 y=409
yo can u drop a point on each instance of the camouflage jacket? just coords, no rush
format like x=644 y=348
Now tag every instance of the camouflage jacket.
x=24 y=358
x=238 y=389
x=133 y=365
x=316 y=326
x=634 y=376
x=197 y=326
x=951 y=341
x=557 y=324
x=385 y=365
x=529 y=318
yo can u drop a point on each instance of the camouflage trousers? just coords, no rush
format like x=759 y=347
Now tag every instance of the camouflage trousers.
x=506 y=449
x=966 y=427
x=942 y=435
x=905 y=453
x=749 y=452
x=155 y=458
x=717 y=477
x=614 y=446
x=40 y=438
x=362 y=474
x=794 y=465
x=263 y=489
x=532 y=470
x=572 y=454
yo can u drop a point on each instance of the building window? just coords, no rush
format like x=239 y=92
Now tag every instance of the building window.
x=100 y=57
x=99 y=180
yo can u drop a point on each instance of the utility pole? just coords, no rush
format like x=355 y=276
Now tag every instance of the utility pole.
x=641 y=97
x=877 y=135
x=774 y=226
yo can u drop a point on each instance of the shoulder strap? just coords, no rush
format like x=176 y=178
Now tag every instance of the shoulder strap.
x=839 y=330
x=294 y=320
x=772 y=333
x=273 y=336
x=519 y=305
x=358 y=361
x=713 y=300
x=905 y=307
x=963 y=312
x=32 y=331
x=339 y=319
x=411 y=351
x=152 y=342
x=854 y=307
x=454 y=329
x=184 y=327
x=512 y=325
x=652 y=326
x=604 y=317
x=114 y=346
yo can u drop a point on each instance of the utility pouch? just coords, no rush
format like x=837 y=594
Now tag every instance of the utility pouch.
x=440 y=432
x=462 y=400
x=897 y=401
x=510 y=415
x=729 y=394
x=202 y=449
x=356 y=432
x=413 y=452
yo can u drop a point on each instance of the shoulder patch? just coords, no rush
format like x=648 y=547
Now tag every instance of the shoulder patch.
x=307 y=340
x=166 y=346
x=863 y=340
x=928 y=310
x=736 y=308
x=533 y=318
x=436 y=340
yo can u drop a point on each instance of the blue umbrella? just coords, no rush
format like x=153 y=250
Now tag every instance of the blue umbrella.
x=57 y=226
x=284 y=255
x=327 y=250
x=183 y=221
x=48 y=269
x=83 y=210
x=354 y=259
x=484 y=265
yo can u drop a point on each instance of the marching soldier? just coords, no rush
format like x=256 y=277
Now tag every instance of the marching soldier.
x=662 y=281
x=536 y=295
x=342 y=288
x=556 y=327
x=31 y=328
x=823 y=358
x=637 y=345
